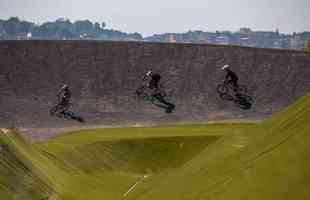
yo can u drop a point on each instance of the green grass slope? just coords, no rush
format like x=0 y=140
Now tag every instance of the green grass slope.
x=135 y=150
x=19 y=179
x=92 y=164
x=115 y=159
x=269 y=161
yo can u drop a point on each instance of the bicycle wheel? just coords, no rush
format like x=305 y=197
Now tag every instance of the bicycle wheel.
x=222 y=89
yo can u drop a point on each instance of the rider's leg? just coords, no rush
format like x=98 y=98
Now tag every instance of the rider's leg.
x=234 y=83
x=65 y=104
x=151 y=84
x=61 y=105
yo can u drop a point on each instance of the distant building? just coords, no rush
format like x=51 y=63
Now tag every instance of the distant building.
x=277 y=44
x=296 y=42
x=245 y=30
x=61 y=20
x=29 y=36
x=224 y=40
x=172 y=39
x=247 y=41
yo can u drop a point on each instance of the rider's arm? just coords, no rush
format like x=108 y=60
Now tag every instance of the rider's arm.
x=227 y=76
x=148 y=74
x=144 y=77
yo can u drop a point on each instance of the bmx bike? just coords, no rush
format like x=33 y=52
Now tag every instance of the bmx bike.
x=62 y=111
x=237 y=94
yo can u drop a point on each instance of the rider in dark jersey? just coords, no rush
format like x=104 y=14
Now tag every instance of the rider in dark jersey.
x=154 y=80
x=154 y=85
x=231 y=77
x=64 y=95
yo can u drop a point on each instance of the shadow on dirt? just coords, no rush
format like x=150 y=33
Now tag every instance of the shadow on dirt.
x=238 y=95
x=157 y=98
x=61 y=112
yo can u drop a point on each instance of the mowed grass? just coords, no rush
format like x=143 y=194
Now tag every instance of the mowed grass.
x=269 y=160
x=84 y=137
x=92 y=164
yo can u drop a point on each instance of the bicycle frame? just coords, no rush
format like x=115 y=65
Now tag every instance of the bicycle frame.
x=229 y=84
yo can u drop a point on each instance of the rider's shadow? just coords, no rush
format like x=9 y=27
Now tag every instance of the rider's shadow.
x=162 y=103
x=157 y=98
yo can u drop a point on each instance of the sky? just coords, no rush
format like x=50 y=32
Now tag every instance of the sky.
x=172 y=16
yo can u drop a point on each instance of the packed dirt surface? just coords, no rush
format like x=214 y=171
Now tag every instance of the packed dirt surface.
x=103 y=77
x=41 y=134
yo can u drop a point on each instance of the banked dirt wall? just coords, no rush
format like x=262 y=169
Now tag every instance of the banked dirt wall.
x=104 y=75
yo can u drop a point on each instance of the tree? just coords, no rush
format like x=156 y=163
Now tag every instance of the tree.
x=277 y=32
x=26 y=27
x=83 y=26
x=11 y=26
x=98 y=28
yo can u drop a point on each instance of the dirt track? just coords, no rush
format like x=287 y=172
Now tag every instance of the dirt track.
x=104 y=75
x=40 y=134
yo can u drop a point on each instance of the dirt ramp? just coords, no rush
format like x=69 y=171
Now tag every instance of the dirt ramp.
x=104 y=75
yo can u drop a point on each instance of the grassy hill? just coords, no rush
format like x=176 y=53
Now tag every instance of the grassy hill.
x=216 y=161
x=269 y=161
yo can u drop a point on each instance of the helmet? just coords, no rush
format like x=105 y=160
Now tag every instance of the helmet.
x=225 y=67
x=149 y=73
x=65 y=86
